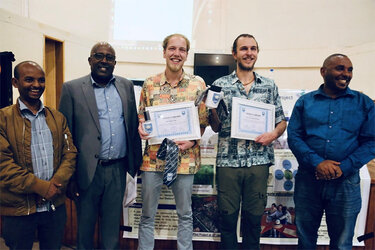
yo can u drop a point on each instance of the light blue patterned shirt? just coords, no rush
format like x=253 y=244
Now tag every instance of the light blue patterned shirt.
x=234 y=152
x=41 y=146
x=111 y=120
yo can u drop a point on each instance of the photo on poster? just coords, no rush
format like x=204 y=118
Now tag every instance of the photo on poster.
x=278 y=220
x=204 y=180
x=205 y=217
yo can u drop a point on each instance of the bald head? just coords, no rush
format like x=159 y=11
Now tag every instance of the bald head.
x=24 y=63
x=29 y=79
x=330 y=58
x=101 y=44
x=337 y=71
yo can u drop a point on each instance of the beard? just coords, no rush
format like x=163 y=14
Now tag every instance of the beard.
x=174 y=68
x=244 y=68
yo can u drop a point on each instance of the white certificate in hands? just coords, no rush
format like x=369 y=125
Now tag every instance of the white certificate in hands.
x=178 y=121
x=251 y=119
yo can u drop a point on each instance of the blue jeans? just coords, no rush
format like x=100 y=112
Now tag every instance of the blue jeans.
x=182 y=189
x=19 y=231
x=341 y=201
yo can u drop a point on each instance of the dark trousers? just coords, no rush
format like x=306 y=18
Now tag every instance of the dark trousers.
x=103 y=198
x=19 y=231
x=246 y=186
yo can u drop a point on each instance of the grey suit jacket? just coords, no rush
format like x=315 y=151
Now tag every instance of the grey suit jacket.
x=78 y=104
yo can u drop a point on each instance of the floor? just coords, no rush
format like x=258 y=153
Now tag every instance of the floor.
x=35 y=246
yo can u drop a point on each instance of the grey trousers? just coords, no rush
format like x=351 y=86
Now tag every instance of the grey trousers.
x=182 y=189
x=103 y=198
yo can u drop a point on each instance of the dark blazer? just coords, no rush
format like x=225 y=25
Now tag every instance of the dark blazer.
x=78 y=104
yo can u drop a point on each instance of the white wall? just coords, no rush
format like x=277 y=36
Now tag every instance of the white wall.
x=294 y=36
x=25 y=39
x=88 y=18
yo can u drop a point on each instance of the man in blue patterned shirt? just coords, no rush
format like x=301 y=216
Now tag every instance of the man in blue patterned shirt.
x=332 y=134
x=243 y=165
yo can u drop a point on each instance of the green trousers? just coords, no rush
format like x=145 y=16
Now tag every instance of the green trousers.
x=246 y=186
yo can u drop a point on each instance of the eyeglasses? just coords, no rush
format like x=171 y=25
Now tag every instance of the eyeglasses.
x=108 y=57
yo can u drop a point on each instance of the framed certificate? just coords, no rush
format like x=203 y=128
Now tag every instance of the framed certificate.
x=251 y=119
x=178 y=121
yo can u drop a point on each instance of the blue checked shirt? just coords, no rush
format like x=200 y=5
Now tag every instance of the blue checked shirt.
x=234 y=152
x=41 y=146
x=340 y=129
x=111 y=120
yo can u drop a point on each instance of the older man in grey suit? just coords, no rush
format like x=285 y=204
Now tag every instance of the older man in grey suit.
x=101 y=113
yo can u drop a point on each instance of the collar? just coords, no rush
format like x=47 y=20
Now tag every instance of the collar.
x=24 y=108
x=163 y=79
x=95 y=84
x=235 y=79
x=320 y=91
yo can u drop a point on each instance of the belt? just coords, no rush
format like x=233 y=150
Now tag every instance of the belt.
x=109 y=162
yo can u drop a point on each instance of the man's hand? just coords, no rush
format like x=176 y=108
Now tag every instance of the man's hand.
x=328 y=170
x=142 y=133
x=266 y=138
x=72 y=190
x=183 y=145
x=214 y=121
x=53 y=190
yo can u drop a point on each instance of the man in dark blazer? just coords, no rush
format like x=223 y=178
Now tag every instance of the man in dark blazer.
x=101 y=113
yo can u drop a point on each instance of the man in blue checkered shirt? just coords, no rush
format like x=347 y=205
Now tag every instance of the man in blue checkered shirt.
x=36 y=163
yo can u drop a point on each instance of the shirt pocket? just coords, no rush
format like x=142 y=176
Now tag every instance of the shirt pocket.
x=352 y=120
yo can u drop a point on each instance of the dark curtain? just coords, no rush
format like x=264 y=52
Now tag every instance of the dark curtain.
x=6 y=97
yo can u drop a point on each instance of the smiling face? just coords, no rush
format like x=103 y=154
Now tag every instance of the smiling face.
x=337 y=72
x=175 y=53
x=246 y=53
x=30 y=81
x=102 y=62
